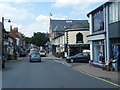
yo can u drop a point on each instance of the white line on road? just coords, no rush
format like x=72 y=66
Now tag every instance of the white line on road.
x=63 y=62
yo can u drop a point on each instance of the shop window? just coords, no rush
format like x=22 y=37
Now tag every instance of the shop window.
x=99 y=53
x=98 y=20
x=79 y=38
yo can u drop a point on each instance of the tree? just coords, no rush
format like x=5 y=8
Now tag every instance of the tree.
x=28 y=40
x=39 y=39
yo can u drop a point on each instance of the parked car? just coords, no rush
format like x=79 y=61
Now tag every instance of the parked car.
x=81 y=57
x=35 y=56
x=86 y=51
x=22 y=53
x=42 y=53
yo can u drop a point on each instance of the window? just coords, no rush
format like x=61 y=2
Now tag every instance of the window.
x=113 y=12
x=99 y=54
x=98 y=20
x=79 y=38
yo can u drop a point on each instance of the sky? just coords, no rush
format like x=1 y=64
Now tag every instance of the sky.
x=34 y=15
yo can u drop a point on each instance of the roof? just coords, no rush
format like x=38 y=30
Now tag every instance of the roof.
x=106 y=3
x=61 y=25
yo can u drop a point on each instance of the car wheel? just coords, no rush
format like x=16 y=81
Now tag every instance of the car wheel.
x=68 y=61
x=71 y=60
x=3 y=65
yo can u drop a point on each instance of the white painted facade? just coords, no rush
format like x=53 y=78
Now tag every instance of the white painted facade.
x=92 y=38
x=10 y=46
x=59 y=42
x=72 y=37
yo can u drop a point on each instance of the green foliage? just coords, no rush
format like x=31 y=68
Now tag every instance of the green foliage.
x=39 y=39
x=28 y=40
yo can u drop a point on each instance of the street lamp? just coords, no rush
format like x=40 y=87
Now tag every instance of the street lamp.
x=3 y=21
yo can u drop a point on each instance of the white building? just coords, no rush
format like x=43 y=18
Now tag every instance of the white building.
x=67 y=33
x=105 y=33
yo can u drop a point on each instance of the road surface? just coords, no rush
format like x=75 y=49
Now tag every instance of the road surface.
x=47 y=74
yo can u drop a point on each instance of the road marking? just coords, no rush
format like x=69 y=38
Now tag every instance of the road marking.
x=63 y=62
x=100 y=78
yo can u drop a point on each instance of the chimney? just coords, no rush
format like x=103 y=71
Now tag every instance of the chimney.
x=10 y=28
x=15 y=29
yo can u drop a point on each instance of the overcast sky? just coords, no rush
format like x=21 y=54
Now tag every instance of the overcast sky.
x=33 y=16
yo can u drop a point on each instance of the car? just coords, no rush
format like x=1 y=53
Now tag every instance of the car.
x=42 y=53
x=35 y=56
x=86 y=51
x=81 y=57
x=22 y=53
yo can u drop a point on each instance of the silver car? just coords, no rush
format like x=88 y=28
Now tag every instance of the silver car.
x=42 y=53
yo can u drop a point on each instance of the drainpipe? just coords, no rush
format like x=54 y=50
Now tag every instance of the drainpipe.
x=107 y=43
x=91 y=42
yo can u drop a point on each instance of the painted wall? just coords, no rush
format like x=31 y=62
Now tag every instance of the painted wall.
x=60 y=42
x=72 y=36
x=114 y=31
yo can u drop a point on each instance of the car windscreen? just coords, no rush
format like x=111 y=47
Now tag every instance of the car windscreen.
x=42 y=51
x=35 y=54
x=79 y=54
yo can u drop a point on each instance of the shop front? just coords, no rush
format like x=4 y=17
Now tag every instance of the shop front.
x=78 y=48
x=115 y=52
x=99 y=51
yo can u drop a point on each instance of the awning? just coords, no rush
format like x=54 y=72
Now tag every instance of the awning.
x=96 y=37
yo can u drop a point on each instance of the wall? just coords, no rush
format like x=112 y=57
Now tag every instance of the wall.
x=0 y=39
x=114 y=31
x=72 y=36
x=59 y=41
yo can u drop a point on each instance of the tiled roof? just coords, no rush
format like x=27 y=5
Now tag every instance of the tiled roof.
x=61 y=25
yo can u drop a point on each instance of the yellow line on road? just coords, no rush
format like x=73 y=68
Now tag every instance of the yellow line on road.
x=100 y=79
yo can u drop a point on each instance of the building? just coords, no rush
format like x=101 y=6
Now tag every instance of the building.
x=11 y=48
x=104 y=35
x=62 y=31
x=20 y=38
x=0 y=44
x=5 y=43
x=76 y=37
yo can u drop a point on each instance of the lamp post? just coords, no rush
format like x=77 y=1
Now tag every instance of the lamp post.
x=3 y=30
x=3 y=21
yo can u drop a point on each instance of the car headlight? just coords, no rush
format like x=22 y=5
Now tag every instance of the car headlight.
x=67 y=57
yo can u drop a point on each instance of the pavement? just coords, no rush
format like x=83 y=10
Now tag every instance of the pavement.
x=91 y=70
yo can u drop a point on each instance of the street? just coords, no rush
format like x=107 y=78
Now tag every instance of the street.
x=47 y=74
